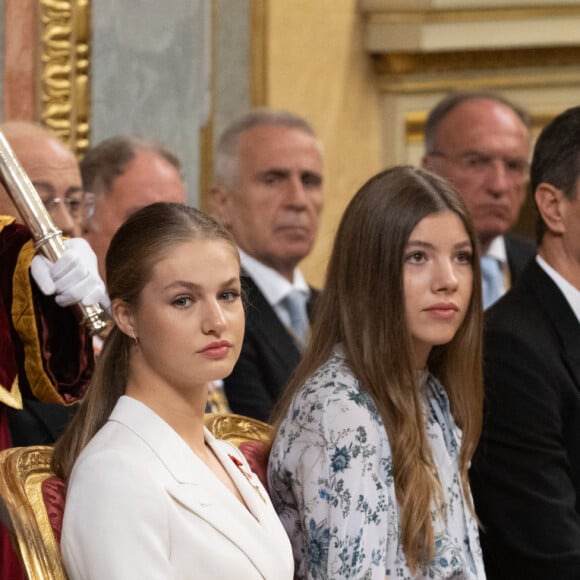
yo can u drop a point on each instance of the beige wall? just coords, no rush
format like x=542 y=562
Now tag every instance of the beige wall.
x=317 y=67
x=367 y=87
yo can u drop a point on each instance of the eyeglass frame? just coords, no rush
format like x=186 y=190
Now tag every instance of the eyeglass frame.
x=79 y=209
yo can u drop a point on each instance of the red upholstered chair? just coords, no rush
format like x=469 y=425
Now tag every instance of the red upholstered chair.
x=33 y=504
x=251 y=436
x=32 y=497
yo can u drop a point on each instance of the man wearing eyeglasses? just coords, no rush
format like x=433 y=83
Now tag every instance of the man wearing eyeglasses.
x=54 y=172
x=481 y=143
x=44 y=353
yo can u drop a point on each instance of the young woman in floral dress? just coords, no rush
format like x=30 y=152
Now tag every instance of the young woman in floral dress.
x=374 y=435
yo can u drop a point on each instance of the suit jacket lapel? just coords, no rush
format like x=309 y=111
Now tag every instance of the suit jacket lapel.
x=197 y=489
x=519 y=253
x=263 y=321
x=558 y=311
x=222 y=510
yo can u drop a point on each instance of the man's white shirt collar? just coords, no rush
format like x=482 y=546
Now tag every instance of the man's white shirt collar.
x=498 y=251
x=273 y=285
x=570 y=292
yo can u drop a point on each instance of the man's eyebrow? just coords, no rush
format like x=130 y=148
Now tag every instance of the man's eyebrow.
x=311 y=173
x=45 y=185
x=73 y=189
x=275 y=171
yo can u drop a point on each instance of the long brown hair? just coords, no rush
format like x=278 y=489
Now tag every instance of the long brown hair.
x=362 y=307
x=144 y=239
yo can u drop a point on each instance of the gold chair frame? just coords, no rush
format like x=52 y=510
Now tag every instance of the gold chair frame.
x=22 y=471
x=236 y=428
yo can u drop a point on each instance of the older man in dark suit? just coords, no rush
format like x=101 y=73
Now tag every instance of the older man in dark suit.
x=268 y=192
x=526 y=473
x=480 y=142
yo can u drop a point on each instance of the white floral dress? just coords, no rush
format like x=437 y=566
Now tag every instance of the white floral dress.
x=331 y=481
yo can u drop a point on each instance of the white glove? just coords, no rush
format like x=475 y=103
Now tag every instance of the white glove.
x=74 y=277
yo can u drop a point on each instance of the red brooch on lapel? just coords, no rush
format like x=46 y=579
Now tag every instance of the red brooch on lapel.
x=248 y=475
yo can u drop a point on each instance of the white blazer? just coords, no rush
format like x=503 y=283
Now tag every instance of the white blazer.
x=141 y=505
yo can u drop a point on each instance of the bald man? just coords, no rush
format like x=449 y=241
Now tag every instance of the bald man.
x=53 y=170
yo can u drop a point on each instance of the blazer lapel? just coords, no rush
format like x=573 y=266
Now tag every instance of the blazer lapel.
x=558 y=311
x=198 y=490
x=247 y=528
x=247 y=482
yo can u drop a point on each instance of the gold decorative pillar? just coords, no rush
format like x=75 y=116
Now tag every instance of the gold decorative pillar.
x=46 y=66
x=63 y=83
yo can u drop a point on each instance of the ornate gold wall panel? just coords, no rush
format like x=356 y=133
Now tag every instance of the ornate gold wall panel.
x=420 y=50
x=64 y=82
x=405 y=63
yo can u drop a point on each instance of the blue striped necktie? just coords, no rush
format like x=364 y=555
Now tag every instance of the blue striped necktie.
x=491 y=280
x=295 y=304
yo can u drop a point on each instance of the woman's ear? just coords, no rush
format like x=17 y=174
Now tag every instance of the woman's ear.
x=122 y=314
x=551 y=204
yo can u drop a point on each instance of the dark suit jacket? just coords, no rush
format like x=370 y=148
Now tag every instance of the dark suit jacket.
x=38 y=423
x=269 y=355
x=526 y=472
x=519 y=252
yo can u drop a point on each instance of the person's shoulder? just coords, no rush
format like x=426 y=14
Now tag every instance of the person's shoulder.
x=332 y=373
x=519 y=297
x=521 y=324
x=334 y=389
x=114 y=449
x=519 y=252
x=515 y=315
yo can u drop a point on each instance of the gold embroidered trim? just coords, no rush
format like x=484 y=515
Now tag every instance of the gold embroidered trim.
x=5 y=220
x=24 y=319
x=11 y=397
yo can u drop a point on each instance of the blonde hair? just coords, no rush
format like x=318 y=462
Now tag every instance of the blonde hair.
x=367 y=263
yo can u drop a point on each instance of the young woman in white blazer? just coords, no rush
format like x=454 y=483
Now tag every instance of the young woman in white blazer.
x=151 y=493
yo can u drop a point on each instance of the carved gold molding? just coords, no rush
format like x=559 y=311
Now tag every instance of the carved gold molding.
x=471 y=15
x=64 y=82
x=402 y=63
x=477 y=80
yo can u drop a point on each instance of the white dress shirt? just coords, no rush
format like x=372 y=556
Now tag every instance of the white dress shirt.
x=570 y=292
x=273 y=285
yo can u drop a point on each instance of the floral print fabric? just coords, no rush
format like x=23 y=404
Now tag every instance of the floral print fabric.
x=331 y=481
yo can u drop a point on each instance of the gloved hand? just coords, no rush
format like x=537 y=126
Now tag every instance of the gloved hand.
x=74 y=277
